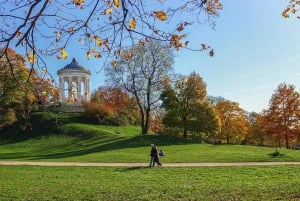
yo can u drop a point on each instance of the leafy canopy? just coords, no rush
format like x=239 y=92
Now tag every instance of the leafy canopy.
x=101 y=27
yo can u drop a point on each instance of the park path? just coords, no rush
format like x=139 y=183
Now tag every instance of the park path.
x=84 y=164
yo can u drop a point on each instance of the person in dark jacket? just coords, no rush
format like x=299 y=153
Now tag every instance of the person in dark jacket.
x=154 y=156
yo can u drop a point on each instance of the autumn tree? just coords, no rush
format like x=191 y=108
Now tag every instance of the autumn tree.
x=11 y=87
x=283 y=115
x=255 y=135
x=20 y=87
x=234 y=124
x=111 y=105
x=98 y=28
x=142 y=72
x=186 y=107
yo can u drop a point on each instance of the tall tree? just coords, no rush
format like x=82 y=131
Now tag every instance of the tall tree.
x=186 y=107
x=142 y=72
x=21 y=87
x=283 y=114
x=234 y=125
x=101 y=28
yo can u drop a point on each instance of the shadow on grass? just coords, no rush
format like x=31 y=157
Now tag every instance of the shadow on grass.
x=92 y=145
x=276 y=154
x=44 y=124
x=134 y=168
x=109 y=145
x=84 y=140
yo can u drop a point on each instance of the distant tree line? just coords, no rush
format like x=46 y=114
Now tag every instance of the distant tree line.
x=145 y=91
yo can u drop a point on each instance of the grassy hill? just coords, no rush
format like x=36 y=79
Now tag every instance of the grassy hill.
x=68 y=137
x=77 y=140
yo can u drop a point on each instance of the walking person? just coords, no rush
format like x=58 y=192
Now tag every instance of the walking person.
x=154 y=156
x=152 y=153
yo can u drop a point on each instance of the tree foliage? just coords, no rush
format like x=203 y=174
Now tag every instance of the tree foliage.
x=101 y=27
x=142 y=72
x=186 y=107
x=112 y=106
x=234 y=124
x=255 y=135
x=21 y=88
x=282 y=119
x=292 y=8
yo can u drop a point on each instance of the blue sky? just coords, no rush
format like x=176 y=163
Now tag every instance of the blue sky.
x=256 y=49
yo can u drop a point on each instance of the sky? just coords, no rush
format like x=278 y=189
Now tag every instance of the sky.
x=255 y=48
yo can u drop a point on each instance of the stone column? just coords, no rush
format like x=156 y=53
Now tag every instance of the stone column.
x=79 y=89
x=69 y=87
x=60 y=90
x=88 y=90
x=64 y=89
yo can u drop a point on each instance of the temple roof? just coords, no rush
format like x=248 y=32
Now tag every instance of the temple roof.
x=74 y=66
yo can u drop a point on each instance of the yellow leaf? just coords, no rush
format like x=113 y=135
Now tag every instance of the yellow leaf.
x=175 y=41
x=18 y=34
x=114 y=63
x=285 y=13
x=132 y=23
x=108 y=11
x=64 y=54
x=78 y=2
x=116 y=3
x=128 y=57
x=98 y=41
x=88 y=55
x=161 y=15
x=31 y=57
x=293 y=10
x=97 y=55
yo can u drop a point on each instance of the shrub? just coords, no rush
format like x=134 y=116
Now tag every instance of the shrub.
x=105 y=115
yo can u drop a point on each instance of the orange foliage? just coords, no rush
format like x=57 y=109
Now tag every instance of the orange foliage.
x=111 y=99
x=281 y=120
x=292 y=8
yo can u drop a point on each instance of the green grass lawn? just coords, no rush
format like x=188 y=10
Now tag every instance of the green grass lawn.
x=81 y=142
x=112 y=183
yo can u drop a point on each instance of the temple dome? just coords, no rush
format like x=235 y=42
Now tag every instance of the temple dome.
x=74 y=66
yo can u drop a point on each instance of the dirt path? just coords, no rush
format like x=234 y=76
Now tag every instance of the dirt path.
x=83 y=164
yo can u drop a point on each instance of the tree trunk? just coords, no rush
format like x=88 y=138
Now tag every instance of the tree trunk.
x=142 y=117
x=185 y=133
x=287 y=141
x=261 y=140
x=146 y=126
x=144 y=122
x=185 y=130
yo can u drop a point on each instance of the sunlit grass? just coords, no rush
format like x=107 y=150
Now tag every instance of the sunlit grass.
x=74 y=140
x=119 y=148
x=116 y=183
